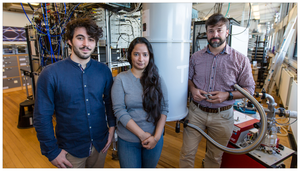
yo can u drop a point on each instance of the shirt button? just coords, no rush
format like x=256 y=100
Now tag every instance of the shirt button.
x=90 y=127
x=91 y=139
x=212 y=77
x=84 y=85
x=209 y=87
x=87 y=99
x=83 y=71
x=89 y=114
x=78 y=64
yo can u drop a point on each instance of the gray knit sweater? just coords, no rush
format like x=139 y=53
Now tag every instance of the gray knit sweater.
x=126 y=94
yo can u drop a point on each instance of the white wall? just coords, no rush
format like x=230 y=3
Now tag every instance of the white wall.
x=240 y=39
x=15 y=19
x=293 y=105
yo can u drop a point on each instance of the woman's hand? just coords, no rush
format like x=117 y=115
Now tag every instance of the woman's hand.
x=149 y=143
x=144 y=136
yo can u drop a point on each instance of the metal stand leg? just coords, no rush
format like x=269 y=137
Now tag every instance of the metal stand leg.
x=115 y=151
x=26 y=85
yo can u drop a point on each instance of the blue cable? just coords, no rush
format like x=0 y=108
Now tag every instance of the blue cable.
x=71 y=15
x=63 y=47
x=43 y=46
x=42 y=50
x=46 y=26
x=55 y=26
x=59 y=44
x=49 y=35
x=57 y=13
x=33 y=17
x=52 y=53
x=65 y=8
x=45 y=49
x=48 y=32
x=43 y=62
x=63 y=30
x=227 y=9
x=58 y=49
x=59 y=34
x=29 y=20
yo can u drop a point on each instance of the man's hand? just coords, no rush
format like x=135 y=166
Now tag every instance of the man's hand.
x=197 y=94
x=111 y=132
x=61 y=161
x=218 y=97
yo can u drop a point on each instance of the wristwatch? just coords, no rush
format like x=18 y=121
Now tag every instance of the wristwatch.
x=230 y=97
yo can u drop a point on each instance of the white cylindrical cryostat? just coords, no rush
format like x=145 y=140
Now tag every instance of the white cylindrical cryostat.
x=167 y=26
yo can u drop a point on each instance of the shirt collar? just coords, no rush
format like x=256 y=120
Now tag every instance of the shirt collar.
x=224 y=51
x=78 y=64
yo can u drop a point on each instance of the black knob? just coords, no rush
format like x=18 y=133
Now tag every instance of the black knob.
x=185 y=123
x=177 y=128
x=257 y=125
x=249 y=104
x=282 y=112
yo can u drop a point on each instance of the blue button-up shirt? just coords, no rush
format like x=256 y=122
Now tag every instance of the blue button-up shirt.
x=82 y=104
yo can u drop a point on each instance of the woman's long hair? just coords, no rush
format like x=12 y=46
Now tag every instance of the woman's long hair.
x=152 y=93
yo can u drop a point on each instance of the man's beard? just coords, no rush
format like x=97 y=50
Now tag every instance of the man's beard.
x=216 y=44
x=82 y=56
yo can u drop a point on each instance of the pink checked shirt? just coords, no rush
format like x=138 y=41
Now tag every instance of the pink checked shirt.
x=219 y=73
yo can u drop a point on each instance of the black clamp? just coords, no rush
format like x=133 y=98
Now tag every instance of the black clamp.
x=264 y=93
x=27 y=73
x=185 y=123
x=282 y=112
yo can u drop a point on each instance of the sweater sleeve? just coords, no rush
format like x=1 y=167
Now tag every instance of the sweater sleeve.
x=118 y=100
x=42 y=117
x=165 y=101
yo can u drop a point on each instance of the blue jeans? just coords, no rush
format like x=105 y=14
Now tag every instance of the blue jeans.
x=134 y=155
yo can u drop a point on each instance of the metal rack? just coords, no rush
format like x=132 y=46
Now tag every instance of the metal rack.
x=259 y=54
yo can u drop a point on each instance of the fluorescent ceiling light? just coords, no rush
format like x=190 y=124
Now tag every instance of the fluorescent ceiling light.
x=256 y=17
x=255 y=8
x=256 y=13
x=34 y=3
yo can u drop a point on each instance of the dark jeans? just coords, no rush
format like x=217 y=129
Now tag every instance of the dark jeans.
x=133 y=155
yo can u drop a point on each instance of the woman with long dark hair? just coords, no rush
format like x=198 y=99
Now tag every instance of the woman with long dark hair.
x=140 y=104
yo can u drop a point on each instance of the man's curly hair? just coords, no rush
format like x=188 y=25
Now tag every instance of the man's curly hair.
x=91 y=27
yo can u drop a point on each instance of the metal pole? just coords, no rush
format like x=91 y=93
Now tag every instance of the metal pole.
x=26 y=85
x=30 y=60
x=108 y=50
x=98 y=51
